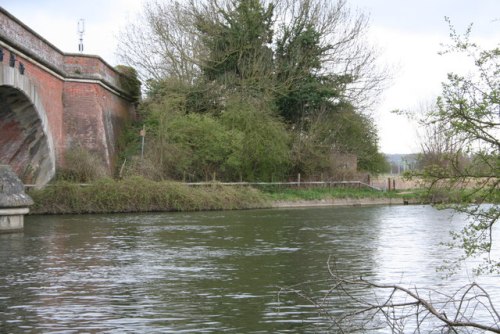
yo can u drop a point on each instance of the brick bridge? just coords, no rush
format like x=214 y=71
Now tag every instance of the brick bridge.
x=51 y=101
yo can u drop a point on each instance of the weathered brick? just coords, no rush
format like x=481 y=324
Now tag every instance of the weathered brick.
x=77 y=92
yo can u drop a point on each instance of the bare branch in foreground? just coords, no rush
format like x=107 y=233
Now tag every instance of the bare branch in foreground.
x=360 y=305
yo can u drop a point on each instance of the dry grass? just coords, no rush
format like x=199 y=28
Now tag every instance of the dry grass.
x=137 y=194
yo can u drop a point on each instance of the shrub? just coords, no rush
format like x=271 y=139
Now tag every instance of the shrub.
x=81 y=165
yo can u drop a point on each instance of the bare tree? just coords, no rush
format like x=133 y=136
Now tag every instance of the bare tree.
x=161 y=43
x=465 y=123
x=165 y=42
x=440 y=148
x=346 y=50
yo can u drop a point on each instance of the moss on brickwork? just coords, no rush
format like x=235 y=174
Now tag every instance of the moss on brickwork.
x=129 y=81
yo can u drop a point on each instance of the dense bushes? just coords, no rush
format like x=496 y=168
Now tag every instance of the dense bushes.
x=253 y=90
x=243 y=142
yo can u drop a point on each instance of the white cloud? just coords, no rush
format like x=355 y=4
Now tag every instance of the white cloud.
x=417 y=80
x=57 y=22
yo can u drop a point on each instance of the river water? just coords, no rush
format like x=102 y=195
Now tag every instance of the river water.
x=212 y=272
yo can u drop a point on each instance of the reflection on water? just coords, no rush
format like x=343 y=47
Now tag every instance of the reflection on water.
x=208 y=272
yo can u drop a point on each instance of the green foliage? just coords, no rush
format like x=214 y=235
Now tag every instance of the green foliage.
x=325 y=193
x=298 y=63
x=242 y=141
x=205 y=142
x=355 y=133
x=130 y=82
x=333 y=134
x=466 y=119
x=262 y=139
x=236 y=40
x=205 y=97
x=266 y=100
x=235 y=145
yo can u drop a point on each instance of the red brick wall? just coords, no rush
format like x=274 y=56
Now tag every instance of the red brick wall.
x=49 y=89
x=79 y=113
x=94 y=118
x=90 y=67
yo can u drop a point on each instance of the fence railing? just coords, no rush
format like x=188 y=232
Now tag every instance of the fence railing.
x=326 y=184
x=330 y=184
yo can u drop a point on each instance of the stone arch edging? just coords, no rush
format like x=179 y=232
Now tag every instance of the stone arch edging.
x=10 y=76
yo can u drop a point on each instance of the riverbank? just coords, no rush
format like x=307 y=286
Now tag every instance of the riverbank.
x=342 y=202
x=137 y=194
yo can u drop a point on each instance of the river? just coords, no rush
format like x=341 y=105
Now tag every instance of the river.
x=212 y=272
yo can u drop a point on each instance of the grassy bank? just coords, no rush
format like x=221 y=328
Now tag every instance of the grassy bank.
x=137 y=194
x=314 y=194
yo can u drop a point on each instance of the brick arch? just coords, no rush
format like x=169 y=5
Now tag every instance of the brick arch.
x=71 y=98
x=26 y=142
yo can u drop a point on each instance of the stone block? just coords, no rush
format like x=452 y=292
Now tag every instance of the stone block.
x=12 y=220
x=14 y=201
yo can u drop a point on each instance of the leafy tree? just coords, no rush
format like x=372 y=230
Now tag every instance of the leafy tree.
x=232 y=40
x=276 y=67
x=337 y=133
x=204 y=140
x=355 y=133
x=236 y=39
x=264 y=142
x=313 y=91
x=297 y=59
x=304 y=89
x=327 y=33
x=467 y=116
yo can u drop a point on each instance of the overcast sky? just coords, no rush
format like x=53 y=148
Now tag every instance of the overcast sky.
x=408 y=34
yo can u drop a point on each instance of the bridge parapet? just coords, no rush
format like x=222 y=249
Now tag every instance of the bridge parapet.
x=90 y=67
x=16 y=33
x=19 y=38
x=74 y=100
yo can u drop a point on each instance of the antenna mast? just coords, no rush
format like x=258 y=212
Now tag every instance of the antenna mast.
x=81 y=30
